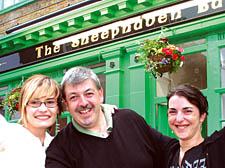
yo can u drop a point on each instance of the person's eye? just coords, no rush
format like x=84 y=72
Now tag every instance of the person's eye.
x=187 y=111
x=172 y=112
x=51 y=102
x=89 y=94
x=34 y=102
x=73 y=98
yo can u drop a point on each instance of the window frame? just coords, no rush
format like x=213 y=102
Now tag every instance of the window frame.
x=14 y=6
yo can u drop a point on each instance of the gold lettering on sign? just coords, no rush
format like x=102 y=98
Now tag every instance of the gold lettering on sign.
x=94 y=37
x=204 y=5
x=56 y=49
x=217 y=4
x=138 y=24
x=48 y=50
x=84 y=40
x=105 y=35
x=75 y=43
x=38 y=49
x=150 y=19
x=176 y=15
x=114 y=32
x=162 y=18
x=154 y=18
x=126 y=27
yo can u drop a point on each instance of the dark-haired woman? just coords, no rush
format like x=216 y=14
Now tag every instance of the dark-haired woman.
x=187 y=110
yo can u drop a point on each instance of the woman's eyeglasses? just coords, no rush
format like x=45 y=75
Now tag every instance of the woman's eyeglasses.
x=37 y=103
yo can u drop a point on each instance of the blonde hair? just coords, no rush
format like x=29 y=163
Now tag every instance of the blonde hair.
x=47 y=88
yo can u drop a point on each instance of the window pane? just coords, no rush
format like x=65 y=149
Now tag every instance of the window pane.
x=102 y=81
x=192 y=72
x=222 y=54
x=8 y=3
x=16 y=115
x=191 y=43
x=17 y=1
x=2 y=110
x=2 y=97
x=223 y=109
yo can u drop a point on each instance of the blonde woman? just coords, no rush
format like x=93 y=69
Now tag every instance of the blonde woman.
x=23 y=145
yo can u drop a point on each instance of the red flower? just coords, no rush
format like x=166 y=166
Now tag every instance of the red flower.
x=164 y=39
x=17 y=106
x=146 y=40
x=182 y=57
x=175 y=56
x=167 y=51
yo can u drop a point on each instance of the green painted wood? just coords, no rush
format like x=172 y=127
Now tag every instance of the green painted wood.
x=127 y=85
x=213 y=81
x=116 y=9
x=113 y=76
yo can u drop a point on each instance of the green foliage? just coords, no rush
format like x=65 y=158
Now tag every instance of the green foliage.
x=158 y=56
x=11 y=101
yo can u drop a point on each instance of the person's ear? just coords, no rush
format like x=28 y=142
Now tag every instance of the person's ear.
x=101 y=96
x=202 y=117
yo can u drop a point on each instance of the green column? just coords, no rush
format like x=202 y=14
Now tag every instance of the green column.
x=139 y=85
x=213 y=82
x=114 y=76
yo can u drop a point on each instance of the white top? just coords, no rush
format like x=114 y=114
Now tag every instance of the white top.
x=19 y=148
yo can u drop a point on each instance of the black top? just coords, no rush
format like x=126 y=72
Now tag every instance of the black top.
x=194 y=157
x=208 y=154
x=131 y=144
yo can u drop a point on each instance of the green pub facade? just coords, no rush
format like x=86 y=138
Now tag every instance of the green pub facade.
x=104 y=35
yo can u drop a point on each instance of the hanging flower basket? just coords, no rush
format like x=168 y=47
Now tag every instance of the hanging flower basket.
x=159 y=56
x=11 y=101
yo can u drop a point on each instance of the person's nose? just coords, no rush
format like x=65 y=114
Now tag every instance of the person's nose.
x=83 y=101
x=180 y=116
x=43 y=107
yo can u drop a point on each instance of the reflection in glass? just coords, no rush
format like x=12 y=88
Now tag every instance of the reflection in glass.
x=101 y=76
x=8 y=3
x=223 y=109
x=102 y=81
x=16 y=116
x=193 y=72
x=191 y=43
x=222 y=54
x=2 y=110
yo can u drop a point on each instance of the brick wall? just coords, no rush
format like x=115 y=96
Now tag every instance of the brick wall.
x=32 y=11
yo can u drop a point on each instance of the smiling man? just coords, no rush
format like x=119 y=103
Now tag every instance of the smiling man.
x=95 y=138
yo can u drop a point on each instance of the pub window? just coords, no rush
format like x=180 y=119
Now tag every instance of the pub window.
x=223 y=109
x=2 y=109
x=100 y=73
x=7 y=3
x=191 y=43
x=222 y=55
x=193 y=72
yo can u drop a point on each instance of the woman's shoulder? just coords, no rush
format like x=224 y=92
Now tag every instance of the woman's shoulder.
x=216 y=136
x=48 y=140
